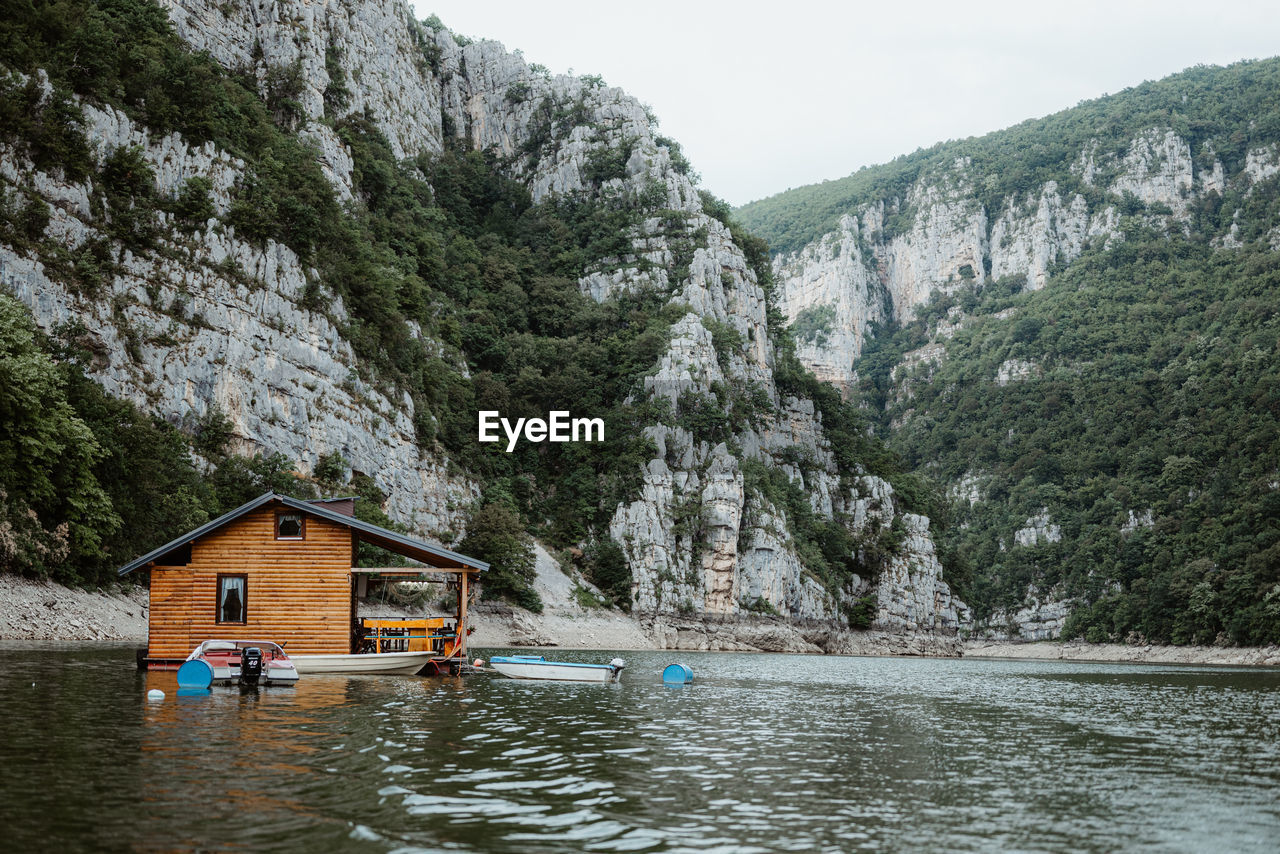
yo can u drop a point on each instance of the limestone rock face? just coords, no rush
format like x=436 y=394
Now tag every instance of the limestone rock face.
x=1136 y=521
x=722 y=502
x=1158 y=169
x=1016 y=370
x=1041 y=618
x=382 y=58
x=1261 y=163
x=1030 y=237
x=911 y=592
x=885 y=259
x=836 y=286
x=771 y=634
x=1038 y=529
x=211 y=320
x=495 y=101
x=690 y=363
x=333 y=156
x=770 y=571
x=968 y=488
x=864 y=271
x=699 y=541
x=944 y=247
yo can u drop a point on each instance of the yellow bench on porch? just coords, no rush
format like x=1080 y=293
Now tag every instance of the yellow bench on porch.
x=405 y=635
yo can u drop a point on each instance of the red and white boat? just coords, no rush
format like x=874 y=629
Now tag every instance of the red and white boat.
x=237 y=662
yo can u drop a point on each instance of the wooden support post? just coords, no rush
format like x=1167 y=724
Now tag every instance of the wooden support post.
x=353 y=616
x=462 y=616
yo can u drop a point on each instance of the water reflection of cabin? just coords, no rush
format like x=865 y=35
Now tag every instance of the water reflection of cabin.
x=282 y=569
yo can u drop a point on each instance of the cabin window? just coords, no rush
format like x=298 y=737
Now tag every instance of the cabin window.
x=289 y=526
x=232 y=598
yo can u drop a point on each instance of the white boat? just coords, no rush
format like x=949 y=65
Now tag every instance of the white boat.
x=536 y=667
x=387 y=663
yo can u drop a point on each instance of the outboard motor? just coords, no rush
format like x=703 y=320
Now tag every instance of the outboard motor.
x=250 y=665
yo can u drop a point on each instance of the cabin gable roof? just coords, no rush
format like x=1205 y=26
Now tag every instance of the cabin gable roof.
x=432 y=555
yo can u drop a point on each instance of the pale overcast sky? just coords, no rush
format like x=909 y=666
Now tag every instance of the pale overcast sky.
x=768 y=96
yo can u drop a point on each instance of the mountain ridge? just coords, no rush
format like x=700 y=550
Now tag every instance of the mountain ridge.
x=545 y=245
x=936 y=294
x=814 y=210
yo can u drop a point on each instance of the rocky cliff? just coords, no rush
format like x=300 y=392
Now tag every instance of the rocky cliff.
x=861 y=274
x=942 y=226
x=207 y=320
x=864 y=273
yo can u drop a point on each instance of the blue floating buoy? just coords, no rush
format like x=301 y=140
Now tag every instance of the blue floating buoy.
x=677 y=674
x=195 y=674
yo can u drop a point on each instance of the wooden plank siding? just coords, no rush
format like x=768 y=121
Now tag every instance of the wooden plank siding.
x=297 y=591
x=170 y=612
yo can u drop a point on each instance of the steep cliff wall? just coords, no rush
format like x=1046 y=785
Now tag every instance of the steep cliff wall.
x=372 y=48
x=206 y=319
x=1008 y=393
x=867 y=274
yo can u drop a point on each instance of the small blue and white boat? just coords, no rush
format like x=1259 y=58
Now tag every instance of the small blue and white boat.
x=536 y=667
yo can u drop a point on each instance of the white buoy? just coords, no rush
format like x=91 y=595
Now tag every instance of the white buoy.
x=155 y=694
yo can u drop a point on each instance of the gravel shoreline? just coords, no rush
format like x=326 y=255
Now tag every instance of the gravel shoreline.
x=44 y=610
x=1264 y=656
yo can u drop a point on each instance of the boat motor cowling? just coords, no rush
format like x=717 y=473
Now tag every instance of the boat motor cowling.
x=250 y=665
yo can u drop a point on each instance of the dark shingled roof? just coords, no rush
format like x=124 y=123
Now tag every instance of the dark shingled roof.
x=436 y=556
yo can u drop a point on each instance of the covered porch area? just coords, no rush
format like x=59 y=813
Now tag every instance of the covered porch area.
x=412 y=609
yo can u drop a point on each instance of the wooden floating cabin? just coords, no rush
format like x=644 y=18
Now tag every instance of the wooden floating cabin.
x=284 y=569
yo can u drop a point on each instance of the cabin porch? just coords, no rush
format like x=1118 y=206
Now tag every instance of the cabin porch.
x=381 y=610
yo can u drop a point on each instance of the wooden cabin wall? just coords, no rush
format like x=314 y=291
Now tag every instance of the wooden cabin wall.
x=169 y=620
x=298 y=591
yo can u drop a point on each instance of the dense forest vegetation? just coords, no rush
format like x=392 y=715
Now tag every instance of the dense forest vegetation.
x=1145 y=422
x=468 y=257
x=446 y=241
x=1220 y=112
x=1148 y=428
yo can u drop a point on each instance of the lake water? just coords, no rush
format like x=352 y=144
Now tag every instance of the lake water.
x=760 y=753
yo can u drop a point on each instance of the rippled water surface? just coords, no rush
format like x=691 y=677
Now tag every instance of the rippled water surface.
x=760 y=753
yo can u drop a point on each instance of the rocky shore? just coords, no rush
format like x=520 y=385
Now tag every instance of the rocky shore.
x=1267 y=656
x=42 y=610
x=503 y=626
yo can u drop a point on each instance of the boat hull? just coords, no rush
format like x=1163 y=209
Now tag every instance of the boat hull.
x=224 y=674
x=386 y=663
x=223 y=659
x=558 y=671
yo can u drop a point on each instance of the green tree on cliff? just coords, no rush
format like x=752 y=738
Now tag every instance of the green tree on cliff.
x=496 y=535
x=53 y=511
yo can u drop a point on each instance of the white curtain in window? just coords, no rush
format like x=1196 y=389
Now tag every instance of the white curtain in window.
x=231 y=600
